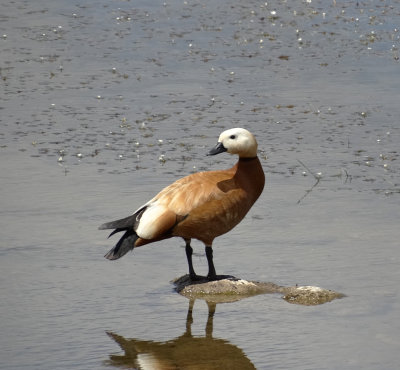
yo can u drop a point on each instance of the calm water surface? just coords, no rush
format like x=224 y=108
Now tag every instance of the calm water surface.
x=103 y=103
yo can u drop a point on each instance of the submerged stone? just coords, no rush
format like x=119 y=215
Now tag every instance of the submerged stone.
x=229 y=289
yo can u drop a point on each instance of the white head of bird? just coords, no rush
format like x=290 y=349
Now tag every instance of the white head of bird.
x=236 y=141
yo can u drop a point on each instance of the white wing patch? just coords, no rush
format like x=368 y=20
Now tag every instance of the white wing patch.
x=148 y=226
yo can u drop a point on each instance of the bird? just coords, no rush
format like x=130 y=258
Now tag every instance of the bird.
x=202 y=205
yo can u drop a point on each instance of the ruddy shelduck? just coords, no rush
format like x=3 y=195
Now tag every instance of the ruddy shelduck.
x=202 y=206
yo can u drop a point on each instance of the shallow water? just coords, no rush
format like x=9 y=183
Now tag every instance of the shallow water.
x=102 y=104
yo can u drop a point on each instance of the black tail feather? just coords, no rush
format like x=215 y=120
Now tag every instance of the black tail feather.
x=118 y=230
x=127 y=241
x=124 y=245
x=121 y=224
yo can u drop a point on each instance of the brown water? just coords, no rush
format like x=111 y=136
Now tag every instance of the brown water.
x=104 y=103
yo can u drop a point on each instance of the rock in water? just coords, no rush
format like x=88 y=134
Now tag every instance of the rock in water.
x=229 y=289
x=310 y=295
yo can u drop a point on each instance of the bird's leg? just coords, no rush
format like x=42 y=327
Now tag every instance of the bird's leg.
x=211 y=269
x=189 y=252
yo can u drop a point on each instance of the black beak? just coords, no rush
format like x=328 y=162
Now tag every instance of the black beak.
x=219 y=148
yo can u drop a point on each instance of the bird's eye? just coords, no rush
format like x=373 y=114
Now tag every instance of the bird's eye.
x=233 y=137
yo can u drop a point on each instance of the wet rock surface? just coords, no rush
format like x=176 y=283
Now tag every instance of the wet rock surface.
x=310 y=295
x=229 y=289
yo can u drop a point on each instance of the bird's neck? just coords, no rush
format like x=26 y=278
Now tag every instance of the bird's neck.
x=247 y=159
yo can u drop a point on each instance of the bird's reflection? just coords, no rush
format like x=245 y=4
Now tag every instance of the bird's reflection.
x=183 y=352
